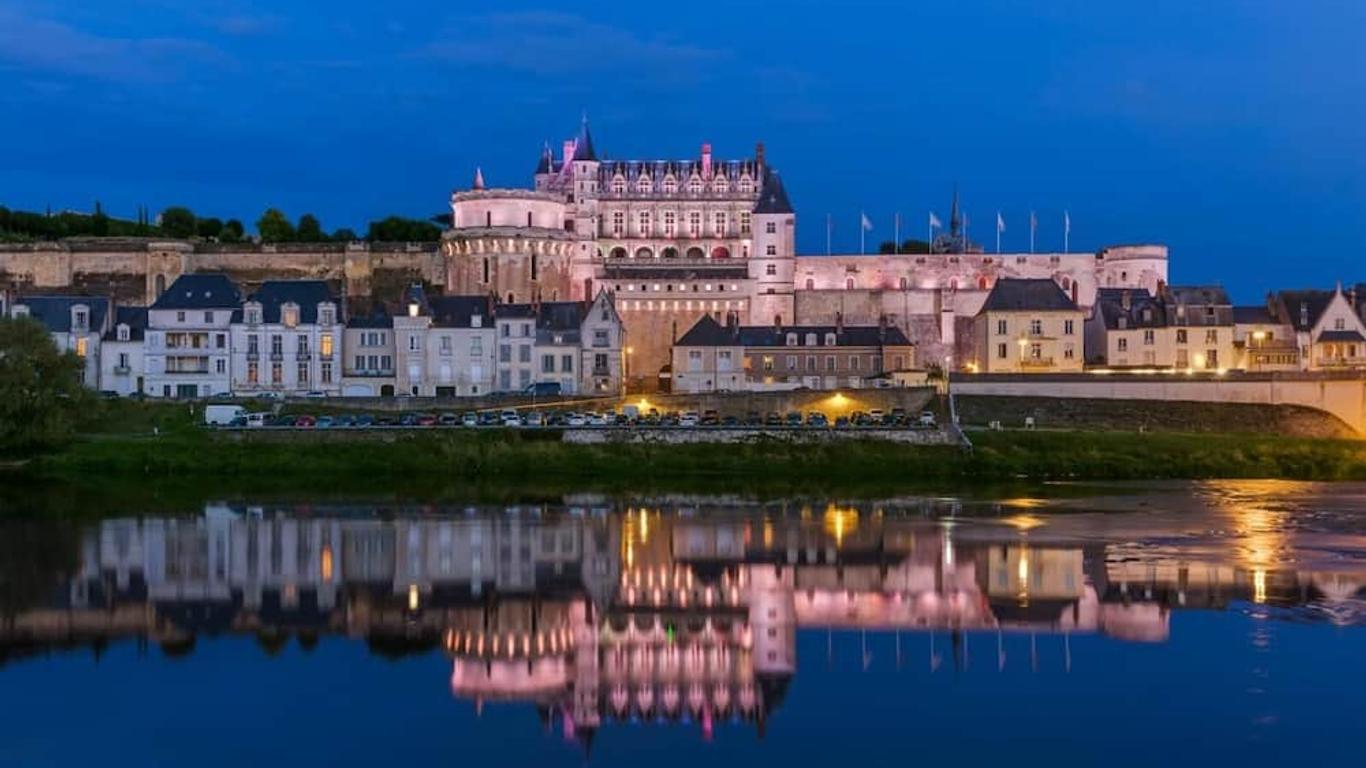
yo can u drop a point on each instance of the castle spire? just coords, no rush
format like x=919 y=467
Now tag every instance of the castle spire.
x=478 y=178
x=583 y=147
x=955 y=216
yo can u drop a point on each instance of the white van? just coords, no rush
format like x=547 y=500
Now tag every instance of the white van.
x=223 y=415
x=257 y=419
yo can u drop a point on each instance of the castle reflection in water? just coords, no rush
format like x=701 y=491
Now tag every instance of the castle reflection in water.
x=606 y=612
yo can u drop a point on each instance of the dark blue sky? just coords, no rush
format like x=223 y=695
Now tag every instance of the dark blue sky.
x=1229 y=130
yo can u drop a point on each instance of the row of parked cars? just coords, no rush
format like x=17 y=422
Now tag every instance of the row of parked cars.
x=895 y=418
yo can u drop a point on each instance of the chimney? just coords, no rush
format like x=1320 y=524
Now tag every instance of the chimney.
x=1126 y=300
x=777 y=323
x=839 y=322
x=759 y=156
x=706 y=161
x=568 y=152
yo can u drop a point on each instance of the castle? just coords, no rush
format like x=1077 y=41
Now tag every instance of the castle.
x=673 y=240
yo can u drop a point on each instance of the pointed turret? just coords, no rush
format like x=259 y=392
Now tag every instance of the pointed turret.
x=547 y=162
x=772 y=196
x=478 y=178
x=583 y=146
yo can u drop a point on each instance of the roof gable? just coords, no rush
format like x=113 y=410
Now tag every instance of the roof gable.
x=200 y=291
x=1027 y=294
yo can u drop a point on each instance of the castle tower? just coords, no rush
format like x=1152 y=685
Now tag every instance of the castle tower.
x=584 y=174
x=772 y=265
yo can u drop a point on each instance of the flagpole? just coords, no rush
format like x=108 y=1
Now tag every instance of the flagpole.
x=1066 y=232
x=896 y=232
x=1033 y=225
x=829 y=226
x=998 y=233
x=862 y=235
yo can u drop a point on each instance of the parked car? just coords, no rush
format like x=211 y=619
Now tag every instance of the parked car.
x=325 y=422
x=488 y=419
x=753 y=419
x=817 y=419
x=543 y=389
x=535 y=419
x=365 y=420
x=408 y=420
x=510 y=418
x=469 y=419
x=385 y=421
x=575 y=420
x=305 y=422
x=688 y=419
x=730 y=421
x=927 y=420
x=596 y=420
x=344 y=420
x=773 y=419
x=794 y=419
x=426 y=419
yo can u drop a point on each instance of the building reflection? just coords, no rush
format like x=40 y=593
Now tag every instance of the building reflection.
x=675 y=613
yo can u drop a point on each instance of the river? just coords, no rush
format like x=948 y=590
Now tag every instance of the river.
x=1210 y=623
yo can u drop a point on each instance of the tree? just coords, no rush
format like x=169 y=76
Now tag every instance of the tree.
x=274 y=227
x=232 y=231
x=208 y=228
x=177 y=221
x=40 y=388
x=345 y=235
x=399 y=229
x=310 y=231
x=907 y=246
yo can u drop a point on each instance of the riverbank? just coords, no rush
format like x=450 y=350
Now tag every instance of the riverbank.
x=442 y=461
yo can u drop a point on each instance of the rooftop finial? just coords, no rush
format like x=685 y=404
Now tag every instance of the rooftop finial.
x=478 y=178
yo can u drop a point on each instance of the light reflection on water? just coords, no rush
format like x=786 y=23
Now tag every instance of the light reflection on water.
x=704 y=615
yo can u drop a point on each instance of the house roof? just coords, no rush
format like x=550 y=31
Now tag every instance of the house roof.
x=707 y=332
x=200 y=291
x=1341 y=336
x=1211 y=303
x=773 y=197
x=1302 y=309
x=274 y=294
x=583 y=146
x=1015 y=294
x=458 y=311
x=1143 y=311
x=1197 y=294
x=1258 y=315
x=54 y=312
x=133 y=317
x=377 y=317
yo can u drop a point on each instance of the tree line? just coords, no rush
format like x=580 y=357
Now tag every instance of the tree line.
x=182 y=223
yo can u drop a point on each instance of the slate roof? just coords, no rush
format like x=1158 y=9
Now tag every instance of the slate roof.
x=583 y=148
x=1259 y=315
x=707 y=332
x=1017 y=294
x=54 y=312
x=458 y=311
x=1204 y=305
x=1144 y=311
x=1341 y=336
x=200 y=291
x=739 y=272
x=274 y=294
x=377 y=317
x=773 y=197
x=134 y=317
x=1312 y=302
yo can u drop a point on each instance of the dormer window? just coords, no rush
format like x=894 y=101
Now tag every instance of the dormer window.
x=413 y=309
x=618 y=185
x=746 y=185
x=476 y=321
x=326 y=315
x=1339 y=324
x=720 y=185
x=830 y=340
x=289 y=315
x=670 y=185
x=1147 y=315
x=123 y=332
x=810 y=339
x=643 y=183
x=695 y=186
x=253 y=314
x=80 y=318
x=792 y=339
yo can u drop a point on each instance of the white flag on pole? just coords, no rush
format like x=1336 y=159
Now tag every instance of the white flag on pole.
x=1067 y=222
x=1033 y=221
x=935 y=223
x=867 y=224
x=1000 y=223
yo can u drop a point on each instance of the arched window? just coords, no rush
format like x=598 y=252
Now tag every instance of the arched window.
x=644 y=253
x=670 y=252
x=810 y=284
x=953 y=284
x=670 y=185
x=904 y=283
x=849 y=284
x=643 y=183
x=720 y=252
x=618 y=185
x=695 y=186
x=510 y=297
x=746 y=185
x=488 y=218
x=161 y=285
x=618 y=252
x=695 y=253
x=982 y=283
x=1066 y=283
x=486 y=269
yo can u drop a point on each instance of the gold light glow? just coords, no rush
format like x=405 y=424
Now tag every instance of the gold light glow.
x=839 y=523
x=327 y=563
x=414 y=597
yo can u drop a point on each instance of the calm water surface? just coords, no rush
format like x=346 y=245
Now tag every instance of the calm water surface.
x=1210 y=624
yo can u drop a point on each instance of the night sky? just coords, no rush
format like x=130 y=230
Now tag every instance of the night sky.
x=1229 y=130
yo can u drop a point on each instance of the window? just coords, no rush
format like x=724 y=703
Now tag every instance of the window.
x=124 y=333
x=1036 y=351
x=1148 y=337
x=1212 y=336
x=792 y=362
x=694 y=224
x=745 y=222
x=476 y=347
x=180 y=317
x=524 y=353
x=1035 y=327
x=600 y=338
x=1339 y=324
x=253 y=372
x=414 y=344
x=1067 y=328
x=301 y=345
x=277 y=345
x=547 y=363
x=445 y=344
x=220 y=366
x=718 y=226
x=695 y=186
x=504 y=353
x=771 y=269
x=771 y=249
x=1181 y=336
x=81 y=319
x=208 y=317
x=325 y=316
x=829 y=362
x=643 y=223
x=1001 y=327
x=618 y=186
x=792 y=340
x=325 y=345
x=723 y=360
x=810 y=362
x=1068 y=352
x=526 y=330
x=303 y=373
x=327 y=372
x=221 y=341
x=1001 y=351
x=1122 y=345
x=81 y=346
x=670 y=185
x=567 y=363
x=768 y=362
x=771 y=228
x=360 y=362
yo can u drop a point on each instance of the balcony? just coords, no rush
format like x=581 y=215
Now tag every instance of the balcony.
x=303 y=355
x=277 y=357
x=1036 y=362
x=253 y=354
x=122 y=370
x=605 y=371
